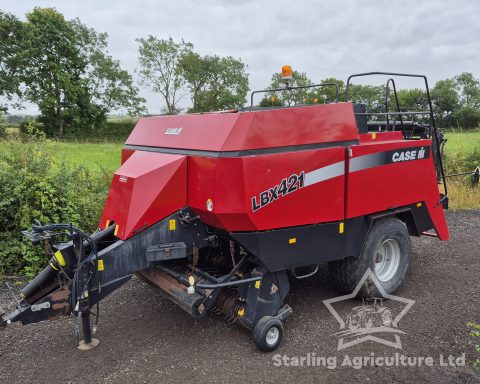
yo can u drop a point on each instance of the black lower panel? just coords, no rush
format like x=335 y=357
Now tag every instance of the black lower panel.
x=312 y=244
x=294 y=247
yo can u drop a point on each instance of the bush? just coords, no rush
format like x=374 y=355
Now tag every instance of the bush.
x=3 y=128
x=109 y=130
x=464 y=161
x=32 y=129
x=35 y=184
x=114 y=130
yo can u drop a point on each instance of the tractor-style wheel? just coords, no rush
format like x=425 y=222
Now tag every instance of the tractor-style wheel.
x=387 y=252
x=268 y=333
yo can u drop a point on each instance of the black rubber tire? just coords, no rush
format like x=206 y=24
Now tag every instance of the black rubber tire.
x=260 y=333
x=348 y=272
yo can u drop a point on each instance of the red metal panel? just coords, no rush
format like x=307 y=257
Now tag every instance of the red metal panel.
x=202 y=186
x=248 y=130
x=303 y=125
x=231 y=204
x=126 y=153
x=145 y=189
x=232 y=183
x=206 y=131
x=386 y=186
x=382 y=187
x=320 y=202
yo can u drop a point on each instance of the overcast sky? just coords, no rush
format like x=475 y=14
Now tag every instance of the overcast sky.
x=322 y=38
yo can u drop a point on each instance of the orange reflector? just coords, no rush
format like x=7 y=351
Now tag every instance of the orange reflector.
x=116 y=230
x=374 y=136
x=419 y=205
x=107 y=223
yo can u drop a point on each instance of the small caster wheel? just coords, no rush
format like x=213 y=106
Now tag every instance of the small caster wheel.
x=268 y=333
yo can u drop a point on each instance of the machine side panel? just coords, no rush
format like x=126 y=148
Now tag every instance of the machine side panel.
x=145 y=189
x=256 y=193
x=387 y=175
x=202 y=173
x=295 y=188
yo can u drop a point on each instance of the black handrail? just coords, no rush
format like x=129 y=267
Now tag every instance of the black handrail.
x=432 y=118
x=387 y=94
x=337 y=90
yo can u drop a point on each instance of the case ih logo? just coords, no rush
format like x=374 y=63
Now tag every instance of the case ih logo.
x=409 y=155
x=288 y=185
x=173 y=131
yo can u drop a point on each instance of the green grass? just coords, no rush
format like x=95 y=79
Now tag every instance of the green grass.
x=94 y=156
x=462 y=141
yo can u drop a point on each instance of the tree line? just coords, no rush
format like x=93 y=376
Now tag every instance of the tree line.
x=64 y=68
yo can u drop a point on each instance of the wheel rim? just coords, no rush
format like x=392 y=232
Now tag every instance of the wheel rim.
x=272 y=336
x=387 y=260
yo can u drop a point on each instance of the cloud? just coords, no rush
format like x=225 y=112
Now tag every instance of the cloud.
x=322 y=38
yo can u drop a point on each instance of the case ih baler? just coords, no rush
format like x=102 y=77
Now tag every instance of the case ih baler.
x=220 y=210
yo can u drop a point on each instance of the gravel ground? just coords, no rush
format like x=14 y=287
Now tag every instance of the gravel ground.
x=144 y=338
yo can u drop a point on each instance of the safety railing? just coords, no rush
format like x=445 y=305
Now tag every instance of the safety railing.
x=287 y=88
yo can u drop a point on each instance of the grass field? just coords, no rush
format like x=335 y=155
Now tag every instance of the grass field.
x=462 y=141
x=94 y=156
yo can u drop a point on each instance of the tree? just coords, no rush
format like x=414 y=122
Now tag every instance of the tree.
x=328 y=94
x=446 y=102
x=70 y=76
x=106 y=86
x=289 y=97
x=468 y=89
x=215 y=83
x=371 y=96
x=414 y=99
x=53 y=75
x=271 y=101
x=196 y=71
x=160 y=68
x=11 y=54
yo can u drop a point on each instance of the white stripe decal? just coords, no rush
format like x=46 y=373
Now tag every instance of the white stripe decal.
x=358 y=163
x=324 y=173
